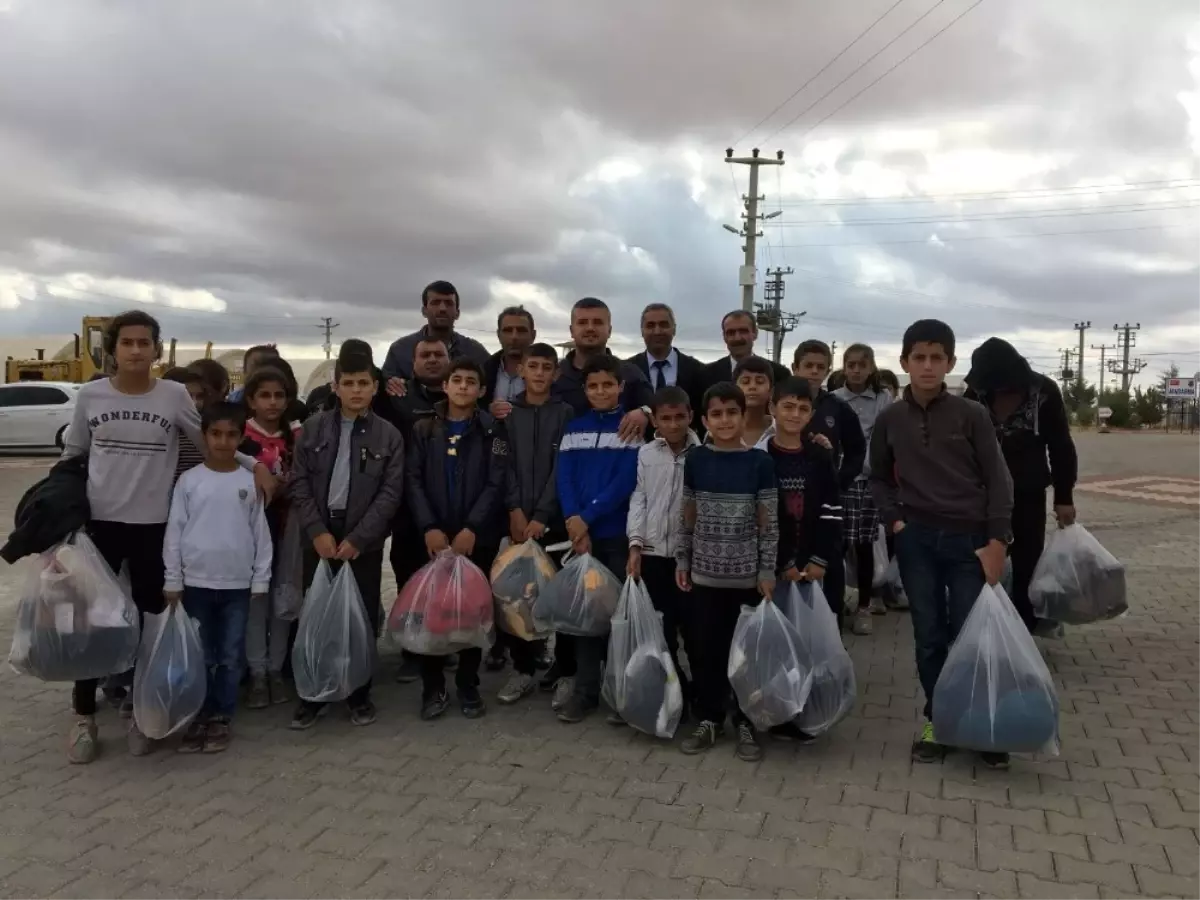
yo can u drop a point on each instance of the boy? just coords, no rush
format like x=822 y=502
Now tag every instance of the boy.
x=756 y=379
x=252 y=360
x=597 y=472
x=345 y=485
x=654 y=510
x=535 y=427
x=217 y=555
x=943 y=489
x=129 y=427
x=726 y=557
x=835 y=425
x=190 y=455
x=456 y=479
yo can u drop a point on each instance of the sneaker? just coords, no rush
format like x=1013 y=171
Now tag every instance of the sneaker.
x=897 y=602
x=82 y=745
x=789 y=731
x=259 y=695
x=217 y=738
x=926 y=749
x=113 y=693
x=703 y=738
x=409 y=671
x=550 y=679
x=432 y=707
x=862 y=622
x=563 y=691
x=1048 y=628
x=193 y=738
x=306 y=715
x=518 y=687
x=749 y=749
x=126 y=711
x=997 y=761
x=471 y=703
x=363 y=714
x=575 y=710
x=139 y=744
x=877 y=607
x=615 y=719
x=495 y=662
x=279 y=689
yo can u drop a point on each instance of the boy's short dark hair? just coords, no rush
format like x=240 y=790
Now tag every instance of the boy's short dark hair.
x=589 y=303
x=793 y=387
x=214 y=375
x=356 y=345
x=259 y=350
x=267 y=375
x=133 y=318
x=541 y=351
x=180 y=375
x=466 y=364
x=755 y=365
x=724 y=390
x=223 y=411
x=670 y=395
x=928 y=331
x=887 y=379
x=353 y=363
x=439 y=287
x=603 y=363
x=812 y=347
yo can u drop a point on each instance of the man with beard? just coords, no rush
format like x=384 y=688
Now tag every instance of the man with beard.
x=591 y=327
x=663 y=364
x=739 y=331
x=440 y=306
x=514 y=328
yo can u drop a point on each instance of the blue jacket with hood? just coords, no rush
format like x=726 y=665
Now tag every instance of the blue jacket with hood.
x=597 y=472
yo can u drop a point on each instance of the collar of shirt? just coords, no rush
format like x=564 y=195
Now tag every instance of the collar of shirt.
x=672 y=362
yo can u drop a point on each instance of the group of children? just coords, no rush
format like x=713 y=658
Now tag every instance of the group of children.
x=772 y=492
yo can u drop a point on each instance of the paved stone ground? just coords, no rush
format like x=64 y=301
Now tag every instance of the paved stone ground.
x=517 y=805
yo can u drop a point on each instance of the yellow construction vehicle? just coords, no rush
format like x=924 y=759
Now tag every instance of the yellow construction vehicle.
x=78 y=362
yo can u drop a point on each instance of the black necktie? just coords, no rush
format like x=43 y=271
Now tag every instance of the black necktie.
x=660 y=380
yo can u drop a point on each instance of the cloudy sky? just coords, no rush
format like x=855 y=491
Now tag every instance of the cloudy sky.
x=249 y=167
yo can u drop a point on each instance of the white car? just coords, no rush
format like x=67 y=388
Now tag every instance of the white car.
x=35 y=414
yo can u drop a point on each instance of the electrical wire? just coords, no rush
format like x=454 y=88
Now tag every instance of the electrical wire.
x=1168 y=184
x=1060 y=213
x=994 y=237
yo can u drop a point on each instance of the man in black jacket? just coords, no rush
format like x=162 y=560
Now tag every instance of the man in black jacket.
x=739 y=331
x=1035 y=437
x=663 y=365
x=515 y=330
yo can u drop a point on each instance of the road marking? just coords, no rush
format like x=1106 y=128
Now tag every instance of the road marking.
x=1148 y=488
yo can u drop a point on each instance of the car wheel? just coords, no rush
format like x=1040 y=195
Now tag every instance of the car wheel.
x=58 y=438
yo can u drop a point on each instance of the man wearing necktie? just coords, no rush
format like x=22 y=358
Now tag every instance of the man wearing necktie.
x=663 y=364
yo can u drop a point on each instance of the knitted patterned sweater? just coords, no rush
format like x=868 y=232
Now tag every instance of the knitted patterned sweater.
x=729 y=535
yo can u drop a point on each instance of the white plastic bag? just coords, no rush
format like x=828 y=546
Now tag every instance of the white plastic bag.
x=832 y=687
x=74 y=619
x=640 y=682
x=445 y=607
x=287 y=581
x=893 y=584
x=580 y=599
x=879 y=555
x=334 y=653
x=769 y=666
x=518 y=575
x=171 y=680
x=1077 y=581
x=995 y=692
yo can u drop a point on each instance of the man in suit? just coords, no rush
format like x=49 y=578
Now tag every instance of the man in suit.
x=664 y=365
x=740 y=332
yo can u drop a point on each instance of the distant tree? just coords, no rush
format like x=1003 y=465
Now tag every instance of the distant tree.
x=1172 y=371
x=1149 y=406
x=1079 y=395
x=1086 y=416
x=1122 y=408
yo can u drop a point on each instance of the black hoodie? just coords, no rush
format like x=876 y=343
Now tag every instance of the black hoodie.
x=1036 y=439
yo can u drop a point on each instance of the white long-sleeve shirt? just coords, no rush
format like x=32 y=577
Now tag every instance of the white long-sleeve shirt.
x=217 y=534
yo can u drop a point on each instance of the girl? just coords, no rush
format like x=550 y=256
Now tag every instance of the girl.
x=888 y=381
x=271 y=439
x=867 y=398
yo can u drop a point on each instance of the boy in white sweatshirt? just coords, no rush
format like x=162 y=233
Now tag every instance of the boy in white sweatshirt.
x=217 y=553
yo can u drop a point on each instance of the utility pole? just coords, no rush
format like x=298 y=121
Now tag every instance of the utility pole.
x=1103 y=348
x=1065 y=374
x=1125 y=340
x=769 y=314
x=747 y=274
x=1082 y=328
x=327 y=325
x=833 y=349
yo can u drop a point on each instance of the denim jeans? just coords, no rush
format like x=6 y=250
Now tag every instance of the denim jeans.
x=222 y=617
x=942 y=577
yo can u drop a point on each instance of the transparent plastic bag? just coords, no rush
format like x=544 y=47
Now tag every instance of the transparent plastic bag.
x=769 y=666
x=640 y=681
x=580 y=599
x=519 y=574
x=75 y=621
x=895 y=586
x=995 y=692
x=879 y=555
x=171 y=680
x=445 y=607
x=287 y=581
x=334 y=654
x=832 y=687
x=1077 y=581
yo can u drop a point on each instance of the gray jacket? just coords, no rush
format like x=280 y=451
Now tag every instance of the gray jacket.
x=657 y=501
x=533 y=436
x=376 y=477
x=867 y=406
x=399 y=361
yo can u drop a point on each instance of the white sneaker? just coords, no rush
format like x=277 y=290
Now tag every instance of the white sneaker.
x=862 y=622
x=518 y=687
x=82 y=744
x=139 y=744
x=562 y=692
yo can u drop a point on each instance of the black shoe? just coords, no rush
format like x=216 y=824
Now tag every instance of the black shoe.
x=550 y=679
x=306 y=715
x=576 y=709
x=363 y=714
x=432 y=707
x=997 y=761
x=790 y=732
x=471 y=703
x=748 y=747
x=409 y=671
x=495 y=662
x=703 y=738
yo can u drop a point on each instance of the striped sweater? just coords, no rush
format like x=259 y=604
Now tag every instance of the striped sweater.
x=729 y=534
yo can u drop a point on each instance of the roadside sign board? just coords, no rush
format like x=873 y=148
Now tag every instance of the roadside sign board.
x=1181 y=389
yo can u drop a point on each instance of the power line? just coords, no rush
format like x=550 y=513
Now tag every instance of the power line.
x=820 y=72
x=1168 y=184
x=993 y=237
x=1060 y=213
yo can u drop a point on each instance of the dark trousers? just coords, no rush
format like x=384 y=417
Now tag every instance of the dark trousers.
x=407 y=555
x=834 y=582
x=942 y=577
x=712 y=615
x=658 y=574
x=140 y=546
x=524 y=653
x=864 y=572
x=592 y=651
x=433 y=668
x=1029 y=540
x=368 y=575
